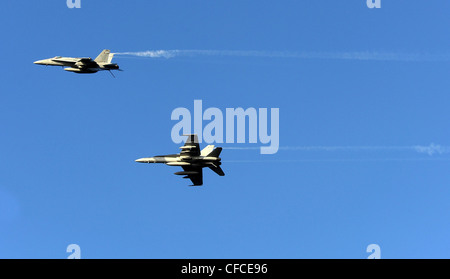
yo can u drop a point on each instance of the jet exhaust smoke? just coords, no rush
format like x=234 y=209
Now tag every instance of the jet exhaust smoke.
x=362 y=55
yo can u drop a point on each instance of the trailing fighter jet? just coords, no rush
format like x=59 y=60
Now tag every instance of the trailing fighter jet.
x=192 y=160
x=83 y=65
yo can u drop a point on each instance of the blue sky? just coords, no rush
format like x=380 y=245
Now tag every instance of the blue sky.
x=68 y=142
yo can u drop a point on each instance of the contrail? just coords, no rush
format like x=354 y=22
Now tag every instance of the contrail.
x=361 y=55
x=430 y=150
x=340 y=160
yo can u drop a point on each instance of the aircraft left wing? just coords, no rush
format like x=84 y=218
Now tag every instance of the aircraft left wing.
x=67 y=59
x=191 y=147
x=197 y=175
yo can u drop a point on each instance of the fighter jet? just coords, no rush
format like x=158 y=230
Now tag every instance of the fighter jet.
x=83 y=65
x=192 y=160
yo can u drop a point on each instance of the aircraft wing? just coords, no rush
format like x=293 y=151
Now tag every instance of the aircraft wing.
x=87 y=62
x=197 y=179
x=69 y=60
x=191 y=147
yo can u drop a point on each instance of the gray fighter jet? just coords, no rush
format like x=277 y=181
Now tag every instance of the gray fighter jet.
x=192 y=160
x=83 y=65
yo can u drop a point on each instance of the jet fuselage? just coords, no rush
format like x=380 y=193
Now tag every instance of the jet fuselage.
x=177 y=160
x=192 y=160
x=82 y=65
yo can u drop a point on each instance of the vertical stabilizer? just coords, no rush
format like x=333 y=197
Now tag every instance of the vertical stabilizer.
x=207 y=150
x=215 y=152
x=104 y=57
x=110 y=57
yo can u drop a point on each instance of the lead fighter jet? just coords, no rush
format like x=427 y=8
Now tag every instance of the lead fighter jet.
x=192 y=160
x=83 y=65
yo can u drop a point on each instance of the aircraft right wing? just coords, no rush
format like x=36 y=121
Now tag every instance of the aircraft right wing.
x=197 y=178
x=191 y=147
x=88 y=63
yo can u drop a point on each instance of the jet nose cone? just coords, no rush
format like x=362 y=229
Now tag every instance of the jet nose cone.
x=39 y=62
x=145 y=160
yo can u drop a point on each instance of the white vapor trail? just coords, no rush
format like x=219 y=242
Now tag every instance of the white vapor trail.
x=430 y=150
x=341 y=160
x=362 y=55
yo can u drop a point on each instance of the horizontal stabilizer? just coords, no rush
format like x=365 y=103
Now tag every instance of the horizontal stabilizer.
x=217 y=169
